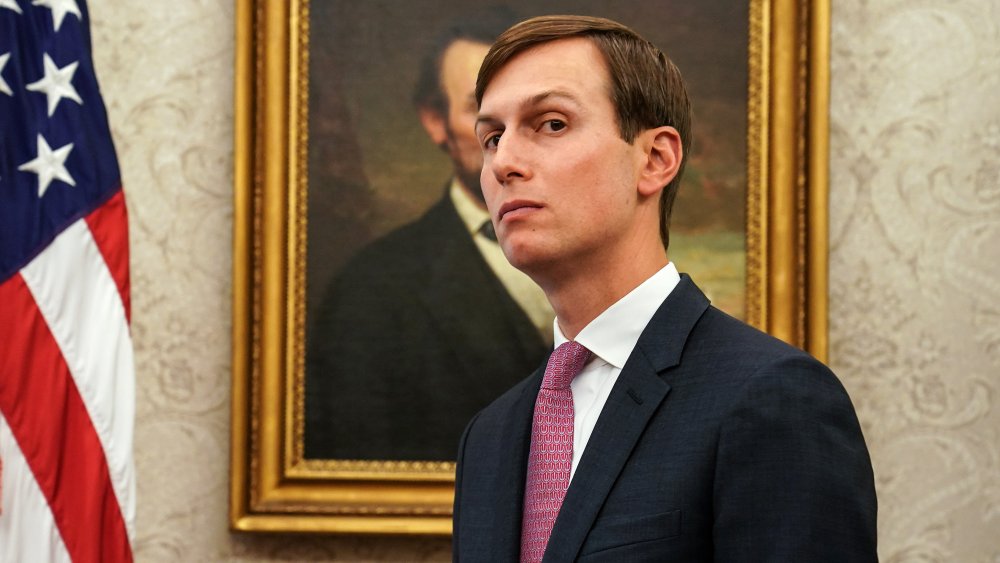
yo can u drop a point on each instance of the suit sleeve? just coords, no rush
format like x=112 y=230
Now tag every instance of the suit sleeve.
x=793 y=476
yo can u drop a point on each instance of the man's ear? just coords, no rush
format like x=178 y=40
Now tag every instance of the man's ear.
x=435 y=125
x=663 y=153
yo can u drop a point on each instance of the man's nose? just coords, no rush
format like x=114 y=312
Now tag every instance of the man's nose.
x=508 y=162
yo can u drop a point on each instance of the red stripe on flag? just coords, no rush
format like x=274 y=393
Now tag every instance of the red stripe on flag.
x=50 y=422
x=109 y=227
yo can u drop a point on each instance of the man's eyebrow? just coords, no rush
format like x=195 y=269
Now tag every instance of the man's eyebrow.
x=486 y=120
x=548 y=95
x=530 y=102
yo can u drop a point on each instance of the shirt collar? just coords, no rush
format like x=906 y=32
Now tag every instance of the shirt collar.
x=473 y=216
x=613 y=334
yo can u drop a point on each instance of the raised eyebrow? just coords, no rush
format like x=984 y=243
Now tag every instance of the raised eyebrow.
x=528 y=103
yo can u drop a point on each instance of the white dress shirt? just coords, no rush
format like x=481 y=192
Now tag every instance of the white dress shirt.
x=611 y=338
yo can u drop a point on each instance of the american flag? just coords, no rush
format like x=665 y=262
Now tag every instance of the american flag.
x=67 y=382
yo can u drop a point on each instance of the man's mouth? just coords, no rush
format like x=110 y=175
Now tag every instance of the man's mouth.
x=517 y=208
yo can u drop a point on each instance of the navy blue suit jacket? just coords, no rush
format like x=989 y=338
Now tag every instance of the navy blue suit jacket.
x=718 y=442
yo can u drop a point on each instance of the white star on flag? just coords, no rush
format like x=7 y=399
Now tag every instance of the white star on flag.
x=57 y=83
x=4 y=87
x=59 y=9
x=49 y=165
x=10 y=5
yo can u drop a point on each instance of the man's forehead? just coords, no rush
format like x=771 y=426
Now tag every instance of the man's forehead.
x=567 y=61
x=566 y=71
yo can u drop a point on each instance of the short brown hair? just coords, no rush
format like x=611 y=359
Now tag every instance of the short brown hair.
x=647 y=90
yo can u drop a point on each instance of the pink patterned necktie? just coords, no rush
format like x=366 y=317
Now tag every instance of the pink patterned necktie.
x=551 y=456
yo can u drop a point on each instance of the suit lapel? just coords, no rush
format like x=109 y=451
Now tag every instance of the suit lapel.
x=509 y=487
x=636 y=396
x=634 y=399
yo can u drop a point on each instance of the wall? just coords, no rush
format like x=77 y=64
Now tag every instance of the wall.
x=915 y=296
x=915 y=264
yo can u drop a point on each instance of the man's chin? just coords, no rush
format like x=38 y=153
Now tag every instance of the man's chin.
x=526 y=257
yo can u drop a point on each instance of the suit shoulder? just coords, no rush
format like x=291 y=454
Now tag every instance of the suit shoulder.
x=723 y=335
x=724 y=354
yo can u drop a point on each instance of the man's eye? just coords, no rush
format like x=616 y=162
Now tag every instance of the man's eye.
x=492 y=141
x=555 y=124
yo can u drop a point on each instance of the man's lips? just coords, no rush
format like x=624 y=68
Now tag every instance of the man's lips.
x=517 y=207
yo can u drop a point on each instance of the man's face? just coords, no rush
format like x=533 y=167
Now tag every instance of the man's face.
x=558 y=179
x=459 y=68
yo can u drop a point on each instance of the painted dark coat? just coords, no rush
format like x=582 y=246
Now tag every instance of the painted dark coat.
x=412 y=339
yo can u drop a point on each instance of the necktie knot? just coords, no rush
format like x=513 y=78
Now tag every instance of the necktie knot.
x=564 y=364
x=487 y=230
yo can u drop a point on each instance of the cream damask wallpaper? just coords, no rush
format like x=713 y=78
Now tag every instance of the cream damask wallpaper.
x=915 y=264
x=915 y=271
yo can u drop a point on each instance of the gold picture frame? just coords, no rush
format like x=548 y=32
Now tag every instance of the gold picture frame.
x=273 y=488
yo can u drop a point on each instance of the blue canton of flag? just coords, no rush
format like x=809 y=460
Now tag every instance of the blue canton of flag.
x=57 y=161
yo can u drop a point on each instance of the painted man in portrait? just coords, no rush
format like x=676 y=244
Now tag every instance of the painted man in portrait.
x=425 y=326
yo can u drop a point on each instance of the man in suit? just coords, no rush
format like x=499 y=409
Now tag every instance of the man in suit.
x=402 y=351
x=660 y=428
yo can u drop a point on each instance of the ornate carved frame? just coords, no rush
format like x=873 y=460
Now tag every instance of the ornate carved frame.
x=272 y=487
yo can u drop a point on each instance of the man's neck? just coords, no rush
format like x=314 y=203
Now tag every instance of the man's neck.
x=579 y=297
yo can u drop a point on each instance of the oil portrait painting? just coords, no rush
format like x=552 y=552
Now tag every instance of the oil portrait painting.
x=374 y=313
x=414 y=322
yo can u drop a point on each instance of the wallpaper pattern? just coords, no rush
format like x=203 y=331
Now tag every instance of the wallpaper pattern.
x=915 y=262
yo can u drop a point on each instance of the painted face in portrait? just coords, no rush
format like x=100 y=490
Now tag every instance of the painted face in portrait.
x=455 y=132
